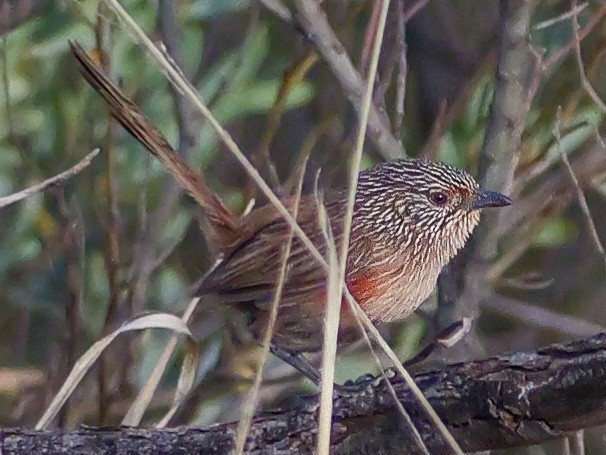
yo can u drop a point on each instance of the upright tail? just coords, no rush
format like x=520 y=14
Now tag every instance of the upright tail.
x=220 y=218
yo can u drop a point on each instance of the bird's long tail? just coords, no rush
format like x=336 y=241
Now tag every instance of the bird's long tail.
x=125 y=111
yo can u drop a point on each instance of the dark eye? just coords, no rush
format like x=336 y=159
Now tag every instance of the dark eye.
x=438 y=198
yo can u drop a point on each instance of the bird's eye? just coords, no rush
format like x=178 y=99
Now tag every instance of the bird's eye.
x=438 y=198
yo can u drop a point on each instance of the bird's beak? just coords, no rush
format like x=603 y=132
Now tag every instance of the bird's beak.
x=490 y=199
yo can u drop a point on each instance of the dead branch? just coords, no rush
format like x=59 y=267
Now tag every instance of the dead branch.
x=513 y=95
x=58 y=179
x=311 y=18
x=504 y=401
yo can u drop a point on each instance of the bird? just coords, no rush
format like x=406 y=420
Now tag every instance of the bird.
x=410 y=218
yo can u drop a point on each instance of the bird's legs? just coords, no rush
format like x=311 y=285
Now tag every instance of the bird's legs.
x=447 y=338
x=298 y=362
x=301 y=364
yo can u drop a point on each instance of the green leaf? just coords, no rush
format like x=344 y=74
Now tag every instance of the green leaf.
x=168 y=287
x=479 y=103
x=556 y=232
x=252 y=55
x=259 y=98
x=208 y=9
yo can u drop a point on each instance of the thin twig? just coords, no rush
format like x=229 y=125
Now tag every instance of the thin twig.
x=542 y=317
x=13 y=13
x=554 y=58
x=327 y=126
x=553 y=192
x=562 y=17
x=53 y=181
x=72 y=237
x=369 y=37
x=112 y=252
x=414 y=9
x=8 y=105
x=580 y=195
x=277 y=7
x=292 y=77
x=312 y=19
x=401 y=50
x=577 y=52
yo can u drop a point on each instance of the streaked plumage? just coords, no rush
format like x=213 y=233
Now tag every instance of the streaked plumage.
x=403 y=233
x=410 y=219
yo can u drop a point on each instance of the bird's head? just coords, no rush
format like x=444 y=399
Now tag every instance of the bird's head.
x=427 y=205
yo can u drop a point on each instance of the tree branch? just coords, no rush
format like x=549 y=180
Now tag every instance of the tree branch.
x=465 y=280
x=58 y=179
x=312 y=20
x=504 y=401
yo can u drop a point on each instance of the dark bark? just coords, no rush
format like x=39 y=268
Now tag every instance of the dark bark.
x=505 y=401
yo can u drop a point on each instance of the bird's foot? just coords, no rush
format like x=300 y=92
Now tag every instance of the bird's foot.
x=445 y=339
x=355 y=387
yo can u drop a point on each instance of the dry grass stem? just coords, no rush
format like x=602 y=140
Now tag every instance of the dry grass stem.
x=577 y=443
x=331 y=331
x=250 y=405
x=185 y=87
x=369 y=326
x=86 y=361
x=141 y=403
x=336 y=287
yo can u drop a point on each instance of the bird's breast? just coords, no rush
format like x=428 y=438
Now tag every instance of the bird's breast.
x=394 y=291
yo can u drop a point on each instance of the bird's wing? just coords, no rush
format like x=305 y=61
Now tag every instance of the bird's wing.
x=250 y=268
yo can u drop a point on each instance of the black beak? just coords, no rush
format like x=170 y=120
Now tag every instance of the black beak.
x=490 y=199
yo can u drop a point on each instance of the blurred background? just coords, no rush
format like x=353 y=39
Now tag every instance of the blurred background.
x=121 y=238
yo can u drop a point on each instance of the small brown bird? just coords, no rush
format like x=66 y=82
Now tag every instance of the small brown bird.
x=410 y=218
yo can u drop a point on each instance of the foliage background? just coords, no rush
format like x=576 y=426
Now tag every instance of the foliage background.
x=121 y=239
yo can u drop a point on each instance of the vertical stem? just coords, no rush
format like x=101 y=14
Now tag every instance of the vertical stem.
x=112 y=252
x=510 y=105
x=463 y=286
